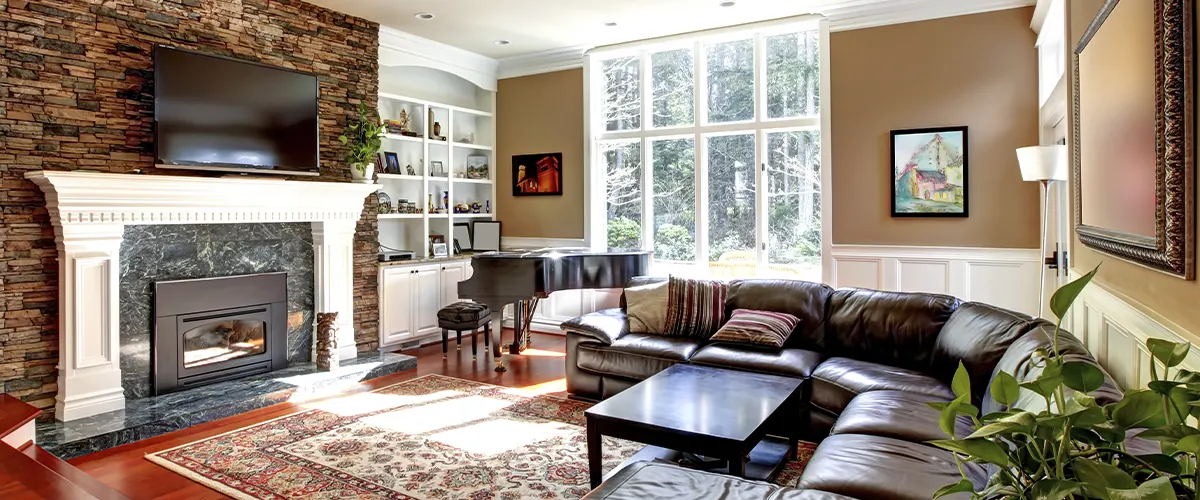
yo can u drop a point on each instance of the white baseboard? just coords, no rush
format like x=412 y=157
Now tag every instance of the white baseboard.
x=1006 y=277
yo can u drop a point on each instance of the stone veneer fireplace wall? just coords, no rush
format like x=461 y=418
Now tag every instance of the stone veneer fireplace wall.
x=79 y=95
x=187 y=251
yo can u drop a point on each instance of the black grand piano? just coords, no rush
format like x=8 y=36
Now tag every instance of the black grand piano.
x=521 y=278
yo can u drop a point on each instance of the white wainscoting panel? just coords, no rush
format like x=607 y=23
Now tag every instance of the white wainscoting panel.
x=1001 y=276
x=1115 y=331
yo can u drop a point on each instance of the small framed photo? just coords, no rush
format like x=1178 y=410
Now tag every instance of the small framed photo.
x=392 y=163
x=437 y=169
x=929 y=172
x=441 y=250
x=477 y=167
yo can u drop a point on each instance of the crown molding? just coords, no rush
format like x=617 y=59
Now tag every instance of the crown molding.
x=871 y=15
x=546 y=61
x=843 y=16
x=399 y=48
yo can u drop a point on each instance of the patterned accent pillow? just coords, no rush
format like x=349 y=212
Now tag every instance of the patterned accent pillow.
x=695 y=308
x=758 y=328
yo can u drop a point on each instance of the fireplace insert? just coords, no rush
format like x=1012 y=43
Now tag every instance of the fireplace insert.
x=215 y=329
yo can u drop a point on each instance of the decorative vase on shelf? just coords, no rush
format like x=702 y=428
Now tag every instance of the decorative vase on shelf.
x=430 y=202
x=487 y=206
x=437 y=131
x=362 y=173
x=446 y=199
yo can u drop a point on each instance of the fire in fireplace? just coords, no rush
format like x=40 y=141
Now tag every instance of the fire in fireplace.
x=216 y=329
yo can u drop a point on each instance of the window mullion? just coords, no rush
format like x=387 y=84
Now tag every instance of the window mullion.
x=700 y=149
x=760 y=79
x=647 y=197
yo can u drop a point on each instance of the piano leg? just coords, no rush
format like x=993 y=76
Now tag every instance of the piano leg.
x=518 y=324
x=497 y=340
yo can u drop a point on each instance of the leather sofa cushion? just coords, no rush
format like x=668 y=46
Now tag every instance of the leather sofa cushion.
x=648 y=480
x=880 y=468
x=604 y=326
x=802 y=299
x=789 y=362
x=893 y=328
x=977 y=335
x=1016 y=362
x=896 y=414
x=836 y=381
x=636 y=356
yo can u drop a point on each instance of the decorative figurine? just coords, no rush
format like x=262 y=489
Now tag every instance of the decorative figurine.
x=431 y=207
x=446 y=200
x=327 y=328
x=410 y=169
x=476 y=207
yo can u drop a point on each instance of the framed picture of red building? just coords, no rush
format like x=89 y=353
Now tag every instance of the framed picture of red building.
x=537 y=174
x=929 y=172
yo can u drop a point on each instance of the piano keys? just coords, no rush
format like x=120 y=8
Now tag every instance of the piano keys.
x=521 y=278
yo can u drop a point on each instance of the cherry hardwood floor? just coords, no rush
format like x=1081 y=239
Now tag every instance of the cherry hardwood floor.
x=125 y=469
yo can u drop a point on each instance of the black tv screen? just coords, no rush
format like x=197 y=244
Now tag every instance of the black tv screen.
x=214 y=113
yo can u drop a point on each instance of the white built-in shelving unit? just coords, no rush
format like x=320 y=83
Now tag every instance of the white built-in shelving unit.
x=470 y=133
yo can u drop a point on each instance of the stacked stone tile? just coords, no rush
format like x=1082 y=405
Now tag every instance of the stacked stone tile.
x=76 y=92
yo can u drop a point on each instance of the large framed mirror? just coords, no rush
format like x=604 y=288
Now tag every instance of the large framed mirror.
x=1133 y=148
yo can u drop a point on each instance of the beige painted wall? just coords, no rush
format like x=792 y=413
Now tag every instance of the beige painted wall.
x=979 y=71
x=541 y=114
x=1168 y=299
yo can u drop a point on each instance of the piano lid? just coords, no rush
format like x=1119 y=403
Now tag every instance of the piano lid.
x=550 y=253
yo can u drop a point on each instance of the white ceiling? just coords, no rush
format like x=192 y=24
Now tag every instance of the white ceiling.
x=534 y=26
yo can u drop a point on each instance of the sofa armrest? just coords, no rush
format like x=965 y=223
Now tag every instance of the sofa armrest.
x=605 y=326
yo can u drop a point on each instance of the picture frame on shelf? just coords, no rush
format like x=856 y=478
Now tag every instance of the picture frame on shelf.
x=485 y=236
x=462 y=236
x=437 y=169
x=392 y=165
x=441 y=250
x=477 y=167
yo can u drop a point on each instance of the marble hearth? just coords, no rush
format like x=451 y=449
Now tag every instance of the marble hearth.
x=100 y=220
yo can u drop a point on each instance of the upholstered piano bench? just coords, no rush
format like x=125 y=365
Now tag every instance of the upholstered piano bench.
x=465 y=316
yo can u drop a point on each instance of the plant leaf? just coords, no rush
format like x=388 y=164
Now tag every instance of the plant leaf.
x=1062 y=299
x=1189 y=444
x=1163 y=463
x=1054 y=489
x=1083 y=377
x=961 y=385
x=1139 y=408
x=979 y=449
x=1098 y=477
x=949 y=415
x=1156 y=489
x=1170 y=354
x=1163 y=386
x=938 y=405
x=1002 y=426
x=1168 y=433
x=1005 y=389
x=962 y=486
x=1044 y=385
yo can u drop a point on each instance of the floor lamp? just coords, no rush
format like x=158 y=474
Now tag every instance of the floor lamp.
x=1044 y=165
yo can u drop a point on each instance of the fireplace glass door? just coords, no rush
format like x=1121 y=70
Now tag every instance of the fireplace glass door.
x=216 y=341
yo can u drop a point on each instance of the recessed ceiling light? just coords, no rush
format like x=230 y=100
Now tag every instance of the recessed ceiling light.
x=728 y=4
x=610 y=23
x=501 y=42
x=424 y=16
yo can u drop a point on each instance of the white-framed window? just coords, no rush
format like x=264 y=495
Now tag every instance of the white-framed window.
x=708 y=149
x=1052 y=51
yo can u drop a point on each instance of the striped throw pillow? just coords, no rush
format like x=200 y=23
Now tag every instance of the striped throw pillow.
x=695 y=308
x=759 y=328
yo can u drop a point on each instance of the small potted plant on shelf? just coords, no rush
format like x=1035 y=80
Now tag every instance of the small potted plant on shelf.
x=1057 y=442
x=363 y=140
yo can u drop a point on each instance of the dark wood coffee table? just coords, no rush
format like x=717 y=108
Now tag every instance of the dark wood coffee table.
x=712 y=412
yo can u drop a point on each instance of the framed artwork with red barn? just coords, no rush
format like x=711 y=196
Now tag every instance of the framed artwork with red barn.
x=537 y=174
x=929 y=172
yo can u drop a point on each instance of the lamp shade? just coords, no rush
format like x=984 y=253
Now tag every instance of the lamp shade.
x=1043 y=163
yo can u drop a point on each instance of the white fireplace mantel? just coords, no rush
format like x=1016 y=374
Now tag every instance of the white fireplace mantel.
x=89 y=212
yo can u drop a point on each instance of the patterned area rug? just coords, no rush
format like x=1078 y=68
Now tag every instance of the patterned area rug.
x=433 y=437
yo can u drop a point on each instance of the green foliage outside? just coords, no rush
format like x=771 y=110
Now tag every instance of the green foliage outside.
x=1054 y=441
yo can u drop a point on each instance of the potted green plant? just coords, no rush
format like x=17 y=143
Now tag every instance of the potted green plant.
x=1074 y=447
x=363 y=138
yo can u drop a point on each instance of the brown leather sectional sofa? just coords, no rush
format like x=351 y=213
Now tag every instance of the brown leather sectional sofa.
x=874 y=359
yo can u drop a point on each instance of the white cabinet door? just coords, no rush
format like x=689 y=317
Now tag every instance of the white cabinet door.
x=428 y=292
x=396 y=305
x=452 y=274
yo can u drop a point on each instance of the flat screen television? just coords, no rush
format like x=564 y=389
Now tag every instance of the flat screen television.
x=216 y=113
